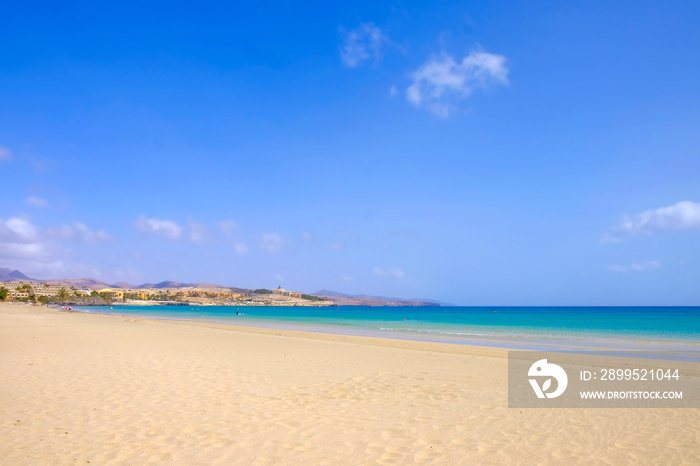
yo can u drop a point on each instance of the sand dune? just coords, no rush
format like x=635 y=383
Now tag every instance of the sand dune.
x=79 y=389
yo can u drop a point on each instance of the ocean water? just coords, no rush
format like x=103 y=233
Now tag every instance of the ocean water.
x=543 y=328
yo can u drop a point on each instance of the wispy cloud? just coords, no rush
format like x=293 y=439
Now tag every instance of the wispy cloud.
x=5 y=154
x=197 y=231
x=78 y=231
x=89 y=236
x=361 y=45
x=36 y=201
x=684 y=215
x=651 y=265
x=228 y=226
x=240 y=247
x=62 y=232
x=271 y=242
x=166 y=228
x=39 y=165
x=391 y=272
x=441 y=83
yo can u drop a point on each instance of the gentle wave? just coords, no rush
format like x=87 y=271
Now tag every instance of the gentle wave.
x=444 y=332
x=524 y=335
x=508 y=327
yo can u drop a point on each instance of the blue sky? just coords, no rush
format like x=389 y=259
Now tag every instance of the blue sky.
x=479 y=153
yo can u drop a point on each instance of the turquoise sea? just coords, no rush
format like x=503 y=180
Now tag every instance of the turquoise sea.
x=561 y=328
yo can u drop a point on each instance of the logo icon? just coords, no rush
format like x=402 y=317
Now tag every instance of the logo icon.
x=542 y=368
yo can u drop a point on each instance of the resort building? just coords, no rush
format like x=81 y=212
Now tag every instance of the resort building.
x=22 y=290
x=281 y=291
x=114 y=293
x=19 y=290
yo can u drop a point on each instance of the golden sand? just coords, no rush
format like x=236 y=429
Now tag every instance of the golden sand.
x=82 y=388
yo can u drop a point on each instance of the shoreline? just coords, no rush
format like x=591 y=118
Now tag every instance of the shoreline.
x=515 y=341
x=445 y=347
x=83 y=387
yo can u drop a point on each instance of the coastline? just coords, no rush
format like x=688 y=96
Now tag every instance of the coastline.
x=505 y=338
x=79 y=387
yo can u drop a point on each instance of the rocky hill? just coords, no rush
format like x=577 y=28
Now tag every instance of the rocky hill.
x=342 y=299
x=9 y=275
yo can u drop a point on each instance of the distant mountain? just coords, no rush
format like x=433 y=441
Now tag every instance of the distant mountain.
x=80 y=283
x=124 y=285
x=8 y=275
x=365 y=296
x=344 y=299
x=171 y=284
x=325 y=292
x=18 y=275
x=434 y=301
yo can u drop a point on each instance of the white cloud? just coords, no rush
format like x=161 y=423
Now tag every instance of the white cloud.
x=361 y=45
x=336 y=245
x=240 y=247
x=271 y=242
x=651 y=265
x=20 y=241
x=18 y=230
x=392 y=272
x=393 y=91
x=63 y=232
x=197 y=231
x=228 y=226
x=36 y=201
x=306 y=236
x=346 y=277
x=36 y=252
x=166 y=228
x=33 y=251
x=441 y=83
x=684 y=215
x=59 y=269
x=89 y=236
x=5 y=154
x=78 y=230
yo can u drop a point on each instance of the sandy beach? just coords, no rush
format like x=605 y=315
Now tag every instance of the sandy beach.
x=82 y=388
